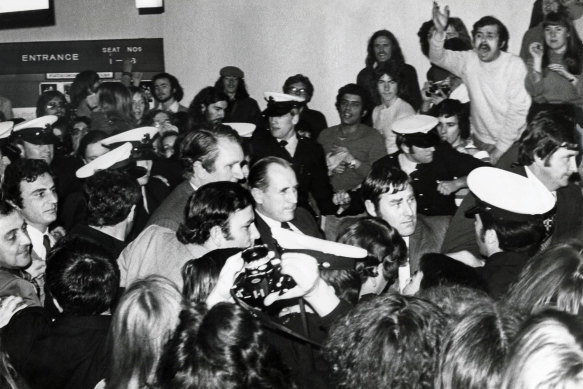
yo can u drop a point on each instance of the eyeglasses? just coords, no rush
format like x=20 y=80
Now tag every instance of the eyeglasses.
x=54 y=105
x=297 y=91
x=489 y=36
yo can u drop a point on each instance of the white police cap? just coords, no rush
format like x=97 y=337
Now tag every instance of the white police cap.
x=244 y=130
x=37 y=131
x=105 y=161
x=414 y=124
x=279 y=104
x=140 y=134
x=507 y=195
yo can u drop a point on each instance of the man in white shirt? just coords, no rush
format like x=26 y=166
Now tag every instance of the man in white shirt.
x=30 y=187
x=494 y=78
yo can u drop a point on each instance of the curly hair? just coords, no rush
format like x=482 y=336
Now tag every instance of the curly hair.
x=110 y=195
x=381 y=241
x=223 y=347
x=391 y=341
x=204 y=97
x=28 y=170
x=210 y=206
x=473 y=350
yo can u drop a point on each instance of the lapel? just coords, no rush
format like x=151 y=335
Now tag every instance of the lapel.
x=265 y=232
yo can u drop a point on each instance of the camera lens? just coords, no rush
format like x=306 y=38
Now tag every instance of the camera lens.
x=254 y=253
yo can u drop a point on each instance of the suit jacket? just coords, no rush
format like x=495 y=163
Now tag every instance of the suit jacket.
x=427 y=238
x=14 y=282
x=112 y=245
x=501 y=270
x=309 y=165
x=303 y=220
x=568 y=216
x=171 y=212
x=69 y=353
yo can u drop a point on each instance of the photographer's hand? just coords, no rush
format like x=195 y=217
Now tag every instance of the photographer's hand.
x=222 y=290
x=304 y=270
x=9 y=306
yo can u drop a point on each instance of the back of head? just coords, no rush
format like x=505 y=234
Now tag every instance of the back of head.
x=82 y=277
x=381 y=241
x=390 y=341
x=552 y=278
x=110 y=195
x=455 y=299
x=22 y=170
x=547 y=353
x=202 y=145
x=212 y=205
x=219 y=348
x=145 y=319
x=472 y=354
x=545 y=133
x=200 y=275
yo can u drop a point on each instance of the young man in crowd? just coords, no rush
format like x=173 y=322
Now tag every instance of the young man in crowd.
x=168 y=93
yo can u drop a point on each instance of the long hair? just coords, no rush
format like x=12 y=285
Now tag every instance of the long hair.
x=115 y=99
x=44 y=99
x=391 y=341
x=573 y=56
x=547 y=353
x=145 y=319
x=472 y=354
x=220 y=348
x=241 y=91
x=552 y=278
x=396 y=57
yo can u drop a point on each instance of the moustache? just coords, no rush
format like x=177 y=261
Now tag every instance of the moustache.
x=484 y=46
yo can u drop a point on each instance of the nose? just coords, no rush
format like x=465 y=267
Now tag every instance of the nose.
x=292 y=197
x=572 y=165
x=238 y=172
x=24 y=239
x=52 y=197
x=408 y=209
x=253 y=232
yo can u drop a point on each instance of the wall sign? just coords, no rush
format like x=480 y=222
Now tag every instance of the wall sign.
x=75 y=56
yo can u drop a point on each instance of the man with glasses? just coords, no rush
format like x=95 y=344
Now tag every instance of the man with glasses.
x=351 y=147
x=495 y=80
x=311 y=122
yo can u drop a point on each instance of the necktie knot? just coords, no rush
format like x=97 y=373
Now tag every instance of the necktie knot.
x=283 y=143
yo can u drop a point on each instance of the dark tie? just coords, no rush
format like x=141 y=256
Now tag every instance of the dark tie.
x=283 y=143
x=286 y=226
x=47 y=243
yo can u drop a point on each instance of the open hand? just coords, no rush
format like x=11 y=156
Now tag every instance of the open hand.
x=440 y=19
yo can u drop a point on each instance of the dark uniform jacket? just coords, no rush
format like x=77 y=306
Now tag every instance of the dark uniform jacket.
x=309 y=165
x=501 y=270
x=448 y=164
x=567 y=222
x=112 y=245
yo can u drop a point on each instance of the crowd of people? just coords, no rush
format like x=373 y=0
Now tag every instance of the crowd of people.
x=431 y=238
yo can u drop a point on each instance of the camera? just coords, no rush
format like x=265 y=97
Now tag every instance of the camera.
x=260 y=277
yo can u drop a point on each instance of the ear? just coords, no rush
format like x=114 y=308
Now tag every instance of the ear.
x=538 y=161
x=501 y=44
x=370 y=208
x=257 y=195
x=132 y=213
x=202 y=108
x=217 y=236
x=296 y=118
x=199 y=170
x=364 y=112
x=21 y=148
x=406 y=149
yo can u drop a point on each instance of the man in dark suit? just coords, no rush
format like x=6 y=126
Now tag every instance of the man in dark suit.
x=274 y=188
x=305 y=155
x=207 y=156
x=388 y=194
x=545 y=153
